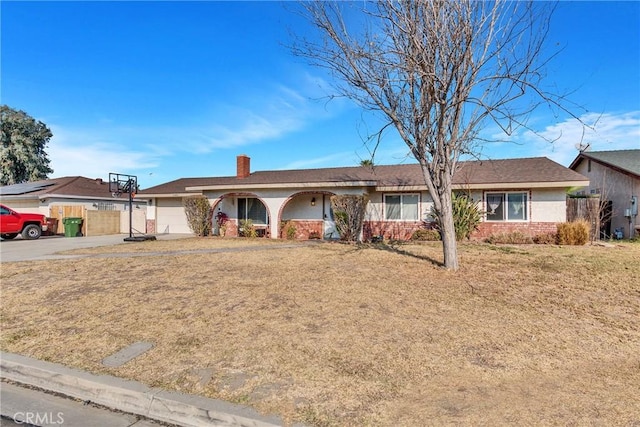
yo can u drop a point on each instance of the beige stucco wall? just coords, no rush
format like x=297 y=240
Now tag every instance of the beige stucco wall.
x=545 y=205
x=138 y=221
x=614 y=186
x=25 y=206
x=548 y=206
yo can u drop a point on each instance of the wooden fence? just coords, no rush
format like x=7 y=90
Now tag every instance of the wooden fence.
x=588 y=209
x=99 y=222
x=66 y=211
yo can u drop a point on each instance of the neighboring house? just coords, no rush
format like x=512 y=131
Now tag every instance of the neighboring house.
x=76 y=196
x=615 y=177
x=527 y=195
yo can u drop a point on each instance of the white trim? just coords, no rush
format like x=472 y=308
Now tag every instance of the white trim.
x=519 y=185
x=160 y=195
x=418 y=206
x=505 y=208
x=257 y=186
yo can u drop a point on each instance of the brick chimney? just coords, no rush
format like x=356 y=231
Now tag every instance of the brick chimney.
x=243 y=166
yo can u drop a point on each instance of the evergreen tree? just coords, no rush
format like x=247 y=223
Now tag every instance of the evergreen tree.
x=22 y=154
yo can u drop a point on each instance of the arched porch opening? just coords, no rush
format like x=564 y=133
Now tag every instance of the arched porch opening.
x=307 y=215
x=231 y=209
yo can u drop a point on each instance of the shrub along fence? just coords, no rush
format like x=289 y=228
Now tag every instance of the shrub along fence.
x=588 y=209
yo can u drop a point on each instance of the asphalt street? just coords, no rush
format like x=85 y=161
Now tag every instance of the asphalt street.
x=30 y=407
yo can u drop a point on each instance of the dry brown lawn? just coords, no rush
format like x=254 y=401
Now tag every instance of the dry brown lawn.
x=333 y=334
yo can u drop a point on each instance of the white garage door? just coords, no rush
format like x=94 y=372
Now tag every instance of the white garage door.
x=170 y=217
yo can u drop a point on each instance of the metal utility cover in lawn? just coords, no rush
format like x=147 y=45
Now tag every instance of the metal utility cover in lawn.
x=126 y=354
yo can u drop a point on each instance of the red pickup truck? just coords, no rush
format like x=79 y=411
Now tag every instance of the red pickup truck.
x=13 y=223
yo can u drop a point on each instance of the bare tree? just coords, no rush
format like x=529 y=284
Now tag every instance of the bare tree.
x=436 y=70
x=349 y=211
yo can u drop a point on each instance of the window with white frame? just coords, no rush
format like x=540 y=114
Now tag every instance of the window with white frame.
x=106 y=206
x=253 y=209
x=401 y=207
x=509 y=206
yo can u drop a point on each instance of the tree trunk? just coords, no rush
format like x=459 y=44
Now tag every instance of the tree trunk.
x=448 y=232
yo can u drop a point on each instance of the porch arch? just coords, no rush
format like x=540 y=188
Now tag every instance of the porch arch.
x=227 y=205
x=307 y=212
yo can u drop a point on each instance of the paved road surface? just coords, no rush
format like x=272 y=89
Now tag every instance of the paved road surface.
x=29 y=407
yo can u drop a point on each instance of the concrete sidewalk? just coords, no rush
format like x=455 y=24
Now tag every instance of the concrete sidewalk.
x=132 y=398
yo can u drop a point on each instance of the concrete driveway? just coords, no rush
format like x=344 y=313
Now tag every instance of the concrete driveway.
x=47 y=247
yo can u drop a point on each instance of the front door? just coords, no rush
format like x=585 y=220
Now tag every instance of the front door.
x=330 y=230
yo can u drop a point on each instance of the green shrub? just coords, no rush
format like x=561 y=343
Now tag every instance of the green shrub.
x=426 y=235
x=247 y=229
x=512 y=238
x=289 y=230
x=467 y=215
x=573 y=233
x=199 y=215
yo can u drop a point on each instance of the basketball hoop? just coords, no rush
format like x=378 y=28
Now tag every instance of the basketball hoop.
x=119 y=184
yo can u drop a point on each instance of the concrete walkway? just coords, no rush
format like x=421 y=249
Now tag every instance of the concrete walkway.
x=141 y=406
x=47 y=247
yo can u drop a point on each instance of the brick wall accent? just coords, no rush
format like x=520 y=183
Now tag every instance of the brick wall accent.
x=231 y=229
x=401 y=230
x=151 y=226
x=531 y=229
x=304 y=228
x=394 y=230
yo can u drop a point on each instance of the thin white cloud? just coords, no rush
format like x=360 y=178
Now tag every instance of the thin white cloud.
x=279 y=111
x=265 y=115
x=333 y=160
x=250 y=128
x=559 y=141
x=81 y=153
x=602 y=132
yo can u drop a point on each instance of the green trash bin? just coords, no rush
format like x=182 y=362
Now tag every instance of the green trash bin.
x=72 y=227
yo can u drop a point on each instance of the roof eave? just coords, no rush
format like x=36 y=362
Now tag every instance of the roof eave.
x=20 y=196
x=87 y=197
x=329 y=184
x=158 y=195
x=508 y=185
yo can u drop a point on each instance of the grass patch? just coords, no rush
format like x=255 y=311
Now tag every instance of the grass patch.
x=343 y=335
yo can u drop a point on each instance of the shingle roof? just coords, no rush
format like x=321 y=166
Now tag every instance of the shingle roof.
x=77 y=186
x=539 y=170
x=623 y=160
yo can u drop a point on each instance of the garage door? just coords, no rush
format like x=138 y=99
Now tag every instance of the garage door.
x=170 y=217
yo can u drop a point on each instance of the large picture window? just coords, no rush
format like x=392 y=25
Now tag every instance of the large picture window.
x=506 y=206
x=253 y=209
x=401 y=207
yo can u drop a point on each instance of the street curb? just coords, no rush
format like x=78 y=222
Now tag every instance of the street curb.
x=130 y=396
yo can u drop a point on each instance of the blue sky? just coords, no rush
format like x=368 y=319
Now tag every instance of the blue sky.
x=165 y=90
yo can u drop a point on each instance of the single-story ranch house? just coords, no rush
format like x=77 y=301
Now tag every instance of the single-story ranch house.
x=40 y=196
x=76 y=196
x=527 y=195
